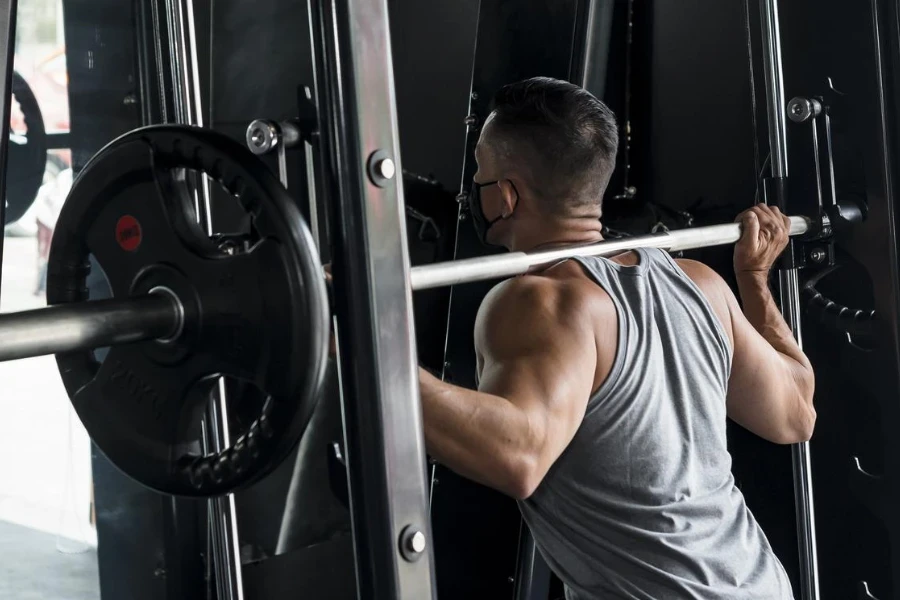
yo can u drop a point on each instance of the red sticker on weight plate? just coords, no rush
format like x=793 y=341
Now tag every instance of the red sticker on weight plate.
x=128 y=233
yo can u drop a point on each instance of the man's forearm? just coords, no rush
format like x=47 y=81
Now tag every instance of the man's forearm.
x=762 y=312
x=475 y=434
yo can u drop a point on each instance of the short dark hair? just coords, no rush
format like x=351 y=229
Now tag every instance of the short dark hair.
x=566 y=137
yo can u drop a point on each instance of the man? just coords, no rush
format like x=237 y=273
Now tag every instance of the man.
x=604 y=385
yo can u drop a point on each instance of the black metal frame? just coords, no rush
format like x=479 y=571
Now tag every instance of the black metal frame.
x=8 y=11
x=373 y=301
x=884 y=490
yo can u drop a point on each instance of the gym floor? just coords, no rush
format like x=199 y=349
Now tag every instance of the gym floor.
x=35 y=566
x=47 y=546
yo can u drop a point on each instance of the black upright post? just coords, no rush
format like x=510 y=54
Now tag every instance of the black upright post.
x=7 y=56
x=373 y=300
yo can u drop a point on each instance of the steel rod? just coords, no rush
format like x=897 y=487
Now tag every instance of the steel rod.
x=518 y=263
x=186 y=89
x=802 y=462
x=774 y=77
x=88 y=325
x=789 y=286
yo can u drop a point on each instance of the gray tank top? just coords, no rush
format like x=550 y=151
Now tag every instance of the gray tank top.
x=642 y=504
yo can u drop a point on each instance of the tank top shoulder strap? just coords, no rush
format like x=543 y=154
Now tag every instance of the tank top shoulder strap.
x=711 y=318
x=618 y=282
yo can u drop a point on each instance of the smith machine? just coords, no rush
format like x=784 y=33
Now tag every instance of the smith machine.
x=189 y=306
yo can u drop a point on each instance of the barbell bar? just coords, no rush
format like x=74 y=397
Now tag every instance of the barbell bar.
x=160 y=314
x=519 y=263
x=88 y=325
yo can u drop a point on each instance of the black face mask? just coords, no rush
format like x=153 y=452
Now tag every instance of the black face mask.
x=479 y=221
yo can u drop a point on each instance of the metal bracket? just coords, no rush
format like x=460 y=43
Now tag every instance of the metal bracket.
x=816 y=249
x=834 y=214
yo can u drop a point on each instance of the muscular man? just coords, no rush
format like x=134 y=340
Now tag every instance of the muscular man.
x=605 y=383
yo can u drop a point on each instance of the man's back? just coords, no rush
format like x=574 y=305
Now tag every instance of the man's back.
x=642 y=503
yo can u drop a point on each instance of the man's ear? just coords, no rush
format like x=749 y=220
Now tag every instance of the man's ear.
x=510 y=196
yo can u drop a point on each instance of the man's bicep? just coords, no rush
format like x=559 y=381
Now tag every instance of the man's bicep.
x=550 y=388
x=758 y=388
x=545 y=376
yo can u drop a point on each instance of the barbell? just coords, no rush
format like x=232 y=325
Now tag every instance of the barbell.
x=159 y=315
x=186 y=309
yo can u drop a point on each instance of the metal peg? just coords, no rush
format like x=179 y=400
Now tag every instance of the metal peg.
x=412 y=543
x=386 y=168
x=857 y=466
x=263 y=136
x=863 y=592
x=382 y=168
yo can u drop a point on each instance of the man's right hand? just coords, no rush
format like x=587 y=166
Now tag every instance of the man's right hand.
x=765 y=235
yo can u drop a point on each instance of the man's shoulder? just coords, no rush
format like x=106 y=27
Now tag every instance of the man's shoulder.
x=539 y=293
x=701 y=274
x=520 y=300
x=539 y=302
x=713 y=287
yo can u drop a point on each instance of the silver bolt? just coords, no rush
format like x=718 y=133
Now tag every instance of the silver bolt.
x=801 y=110
x=416 y=542
x=262 y=136
x=386 y=168
x=412 y=543
x=258 y=137
x=817 y=255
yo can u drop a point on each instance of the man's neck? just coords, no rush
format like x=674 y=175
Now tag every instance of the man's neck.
x=571 y=232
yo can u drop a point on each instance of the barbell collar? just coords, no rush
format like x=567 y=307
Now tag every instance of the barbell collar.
x=88 y=325
x=519 y=263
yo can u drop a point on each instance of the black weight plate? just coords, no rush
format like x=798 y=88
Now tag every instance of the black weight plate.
x=27 y=154
x=259 y=316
